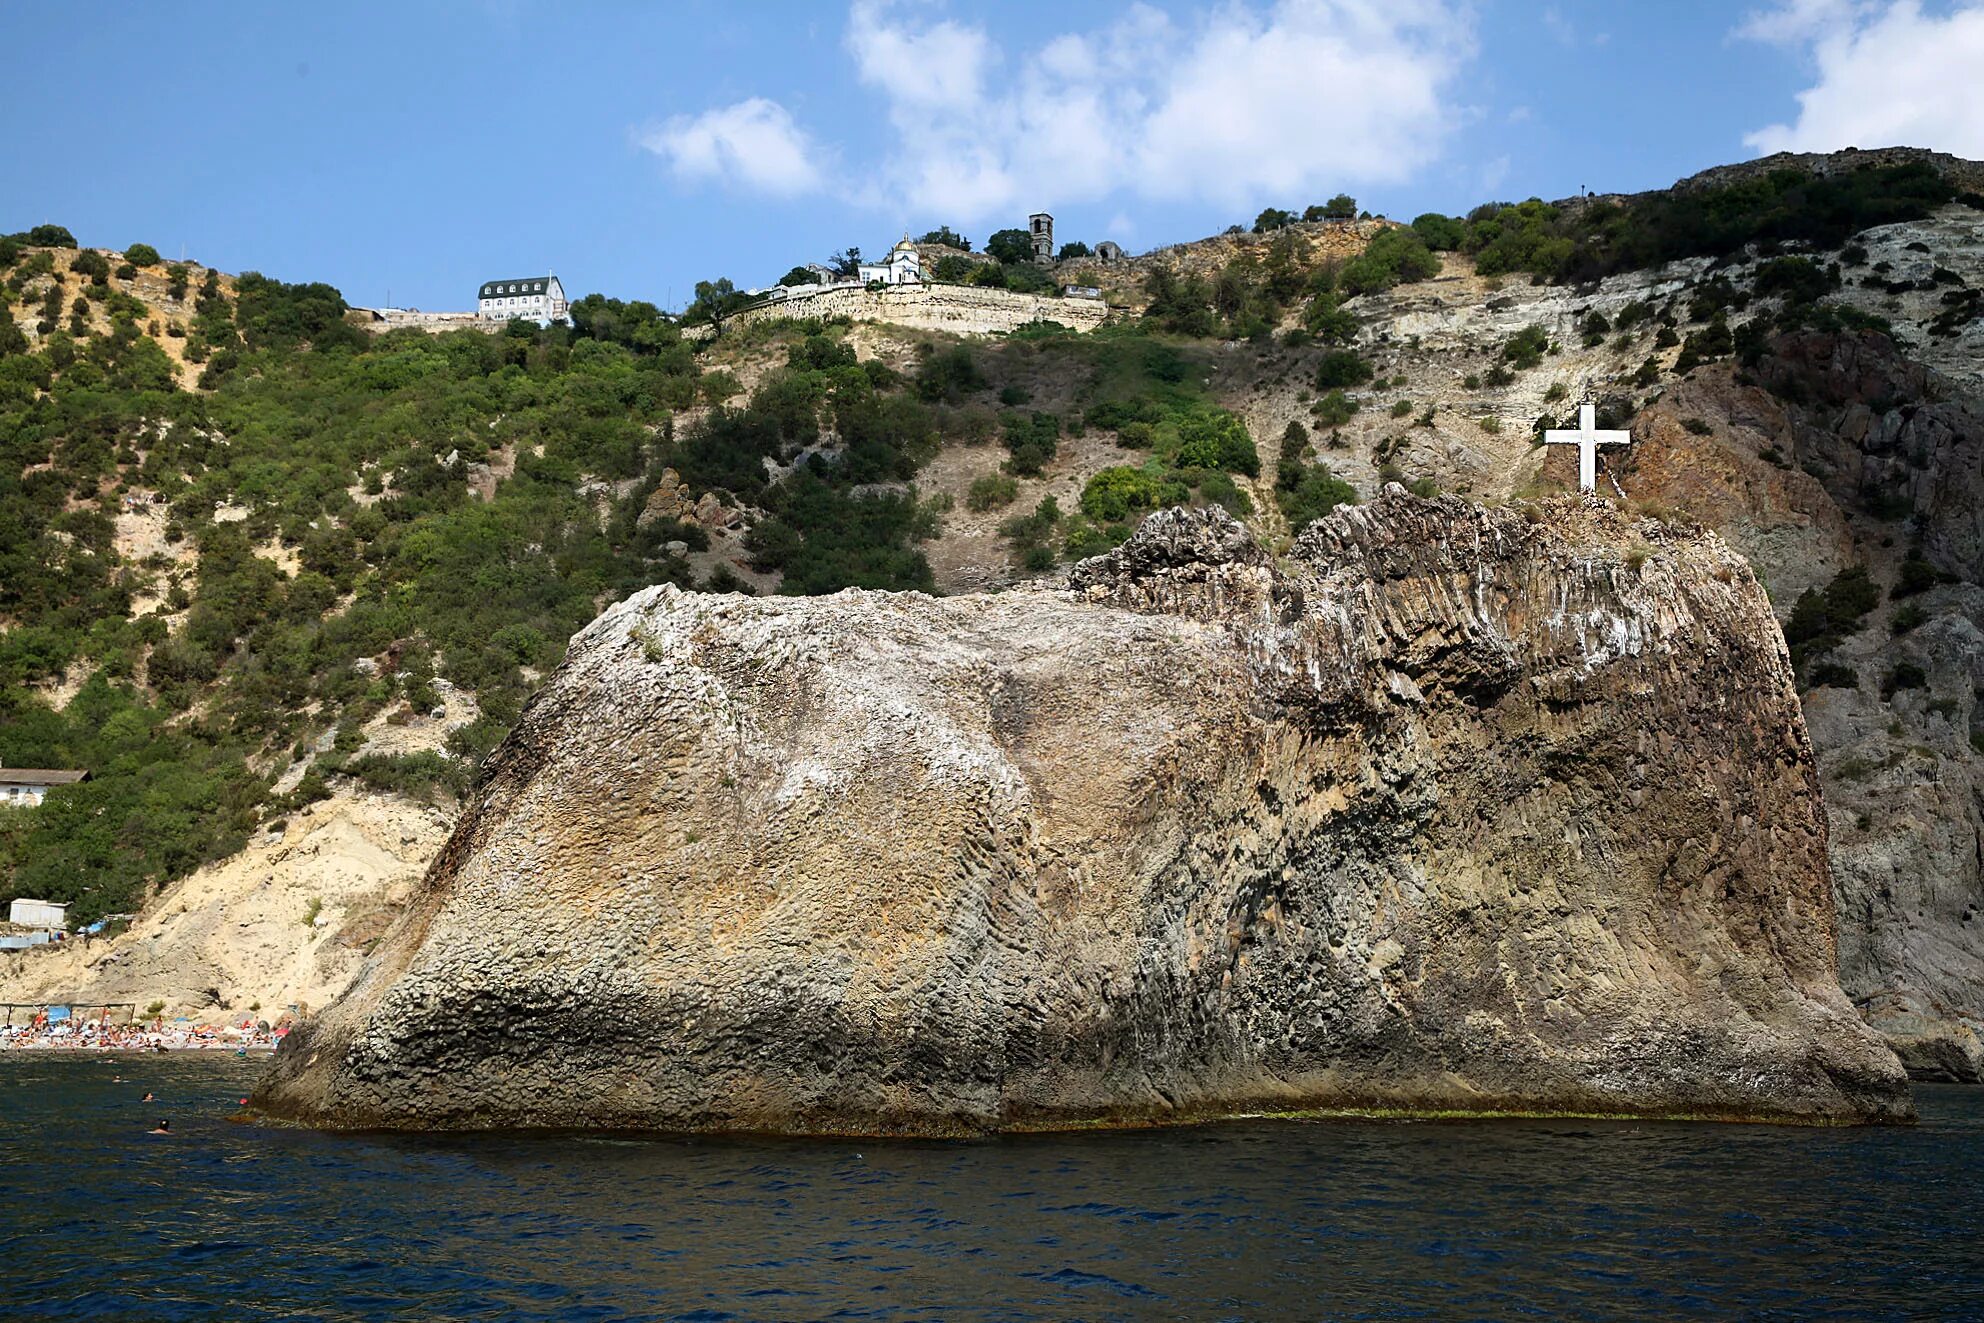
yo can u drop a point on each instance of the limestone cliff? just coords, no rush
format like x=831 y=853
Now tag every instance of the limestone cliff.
x=1878 y=461
x=1452 y=809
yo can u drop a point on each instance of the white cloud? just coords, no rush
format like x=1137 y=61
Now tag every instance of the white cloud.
x=754 y=143
x=1257 y=102
x=1794 y=22
x=1886 y=76
x=939 y=67
x=1316 y=94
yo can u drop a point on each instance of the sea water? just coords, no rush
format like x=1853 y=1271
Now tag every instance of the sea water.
x=1393 y=1220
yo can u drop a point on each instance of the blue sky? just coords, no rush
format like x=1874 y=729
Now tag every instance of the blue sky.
x=420 y=147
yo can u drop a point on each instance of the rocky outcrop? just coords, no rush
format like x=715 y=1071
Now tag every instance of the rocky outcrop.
x=672 y=501
x=956 y=309
x=1449 y=810
x=1845 y=452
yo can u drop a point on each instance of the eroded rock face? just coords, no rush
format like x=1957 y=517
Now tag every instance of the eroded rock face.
x=1859 y=455
x=1448 y=810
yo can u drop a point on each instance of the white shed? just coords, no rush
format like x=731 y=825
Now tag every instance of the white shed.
x=39 y=914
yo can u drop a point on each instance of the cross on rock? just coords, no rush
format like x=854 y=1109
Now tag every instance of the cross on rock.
x=1587 y=439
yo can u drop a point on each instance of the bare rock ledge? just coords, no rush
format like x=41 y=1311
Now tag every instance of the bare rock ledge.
x=1449 y=810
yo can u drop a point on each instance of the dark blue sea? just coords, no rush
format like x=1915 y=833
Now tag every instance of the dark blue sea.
x=1521 y=1219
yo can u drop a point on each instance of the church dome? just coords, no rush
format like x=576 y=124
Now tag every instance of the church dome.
x=905 y=246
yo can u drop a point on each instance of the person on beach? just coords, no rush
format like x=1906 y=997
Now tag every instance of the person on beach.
x=164 y=1127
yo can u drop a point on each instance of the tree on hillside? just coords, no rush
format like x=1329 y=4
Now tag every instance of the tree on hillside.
x=273 y=312
x=1011 y=246
x=93 y=264
x=1443 y=234
x=1073 y=250
x=637 y=324
x=715 y=299
x=1273 y=218
x=847 y=263
x=1393 y=257
x=141 y=254
x=948 y=237
x=1341 y=207
x=49 y=236
x=799 y=275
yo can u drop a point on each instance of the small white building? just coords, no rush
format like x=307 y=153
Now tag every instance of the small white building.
x=27 y=786
x=539 y=299
x=47 y=914
x=903 y=266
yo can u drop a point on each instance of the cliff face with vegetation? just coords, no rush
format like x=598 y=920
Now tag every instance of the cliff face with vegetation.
x=253 y=561
x=1449 y=810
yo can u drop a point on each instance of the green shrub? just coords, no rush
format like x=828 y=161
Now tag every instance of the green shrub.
x=1114 y=494
x=88 y=262
x=1526 y=347
x=1034 y=439
x=950 y=375
x=1340 y=368
x=1311 y=491
x=1328 y=321
x=1212 y=438
x=1010 y=247
x=1440 y=233
x=1819 y=619
x=141 y=254
x=1392 y=257
x=1905 y=675
x=1335 y=409
x=1917 y=575
x=991 y=491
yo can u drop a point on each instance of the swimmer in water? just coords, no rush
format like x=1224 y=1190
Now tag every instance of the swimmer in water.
x=147 y=1098
x=164 y=1127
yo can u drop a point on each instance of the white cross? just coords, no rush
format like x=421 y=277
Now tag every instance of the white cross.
x=1587 y=440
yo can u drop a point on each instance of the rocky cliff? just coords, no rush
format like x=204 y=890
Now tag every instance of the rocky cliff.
x=1844 y=452
x=1451 y=809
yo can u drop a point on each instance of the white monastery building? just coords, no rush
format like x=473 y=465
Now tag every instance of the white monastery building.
x=903 y=266
x=26 y=787
x=538 y=299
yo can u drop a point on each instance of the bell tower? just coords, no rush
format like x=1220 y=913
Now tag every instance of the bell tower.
x=1041 y=226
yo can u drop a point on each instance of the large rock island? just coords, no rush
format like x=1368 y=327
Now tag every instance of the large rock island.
x=1448 y=809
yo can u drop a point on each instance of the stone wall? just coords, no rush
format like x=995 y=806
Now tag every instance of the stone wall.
x=381 y=320
x=960 y=309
